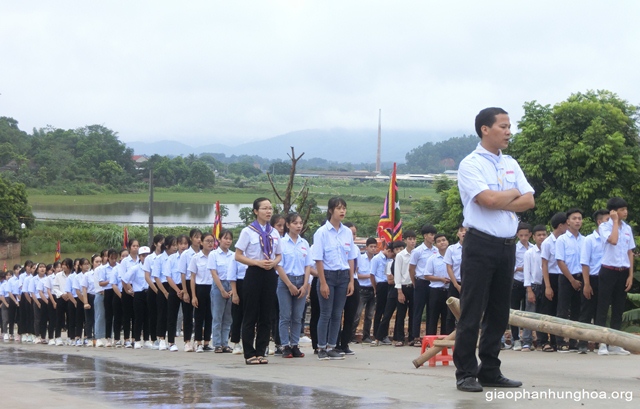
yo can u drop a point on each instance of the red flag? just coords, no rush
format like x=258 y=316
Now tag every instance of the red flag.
x=126 y=237
x=57 y=252
x=5 y=266
x=390 y=224
x=217 y=226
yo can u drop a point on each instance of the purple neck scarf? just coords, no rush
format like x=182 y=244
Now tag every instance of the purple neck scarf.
x=266 y=240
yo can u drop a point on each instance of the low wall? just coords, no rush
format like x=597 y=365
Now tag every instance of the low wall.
x=9 y=251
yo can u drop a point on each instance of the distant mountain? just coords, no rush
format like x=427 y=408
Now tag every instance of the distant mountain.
x=340 y=145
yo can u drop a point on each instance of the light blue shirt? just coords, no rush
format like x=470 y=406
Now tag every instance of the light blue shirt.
x=135 y=277
x=379 y=266
x=296 y=256
x=568 y=249
x=14 y=285
x=482 y=170
x=520 y=250
x=532 y=266
x=185 y=259
x=419 y=257
x=222 y=262
x=158 y=265
x=364 y=267
x=87 y=280
x=69 y=285
x=591 y=253
x=39 y=286
x=30 y=282
x=199 y=270
x=125 y=265
x=104 y=274
x=334 y=247
x=436 y=267
x=237 y=271
x=24 y=284
x=618 y=255
x=548 y=252
x=453 y=257
x=171 y=268
x=115 y=278
x=249 y=243
x=148 y=262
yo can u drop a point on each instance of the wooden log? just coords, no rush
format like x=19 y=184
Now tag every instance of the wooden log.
x=443 y=343
x=431 y=352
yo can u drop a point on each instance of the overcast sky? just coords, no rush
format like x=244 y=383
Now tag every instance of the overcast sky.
x=232 y=71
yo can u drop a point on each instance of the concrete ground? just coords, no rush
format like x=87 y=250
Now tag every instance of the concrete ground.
x=384 y=375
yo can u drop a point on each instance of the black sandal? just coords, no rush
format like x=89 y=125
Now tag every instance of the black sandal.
x=252 y=361
x=227 y=349
x=262 y=360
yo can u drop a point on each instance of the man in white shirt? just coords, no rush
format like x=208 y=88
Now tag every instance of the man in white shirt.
x=367 y=292
x=453 y=258
x=532 y=271
x=403 y=285
x=518 y=293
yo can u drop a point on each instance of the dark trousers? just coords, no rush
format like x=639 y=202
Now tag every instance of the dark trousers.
x=274 y=321
x=236 y=314
x=161 y=313
x=13 y=315
x=203 y=314
x=41 y=314
x=260 y=287
x=486 y=272
x=152 y=313
x=437 y=310
x=116 y=305
x=89 y=317
x=420 y=300
x=368 y=305
x=382 y=292
x=140 y=311
x=451 y=319
x=108 y=313
x=315 y=313
x=549 y=307
x=350 y=309
x=52 y=319
x=173 y=305
x=588 y=306
x=612 y=293
x=389 y=309
x=568 y=303
x=71 y=319
x=401 y=313
x=61 y=314
x=79 y=317
x=23 y=316
x=518 y=298
x=127 y=314
x=187 y=314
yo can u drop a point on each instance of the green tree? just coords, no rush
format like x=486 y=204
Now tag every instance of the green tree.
x=244 y=169
x=111 y=173
x=440 y=156
x=580 y=152
x=246 y=215
x=14 y=210
x=200 y=175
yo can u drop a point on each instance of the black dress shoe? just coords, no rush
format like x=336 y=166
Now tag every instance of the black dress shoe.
x=468 y=385
x=500 y=382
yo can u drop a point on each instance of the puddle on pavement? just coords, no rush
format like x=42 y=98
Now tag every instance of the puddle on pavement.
x=139 y=386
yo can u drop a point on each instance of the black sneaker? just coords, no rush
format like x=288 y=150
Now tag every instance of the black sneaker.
x=285 y=352
x=295 y=351
x=278 y=350
x=323 y=355
x=315 y=351
x=347 y=351
x=338 y=350
x=333 y=354
x=207 y=348
x=386 y=341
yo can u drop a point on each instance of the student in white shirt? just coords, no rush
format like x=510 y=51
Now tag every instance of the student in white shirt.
x=25 y=323
x=392 y=300
x=169 y=247
x=133 y=247
x=104 y=275
x=236 y=278
x=86 y=293
x=134 y=276
x=439 y=280
x=367 y=291
x=220 y=264
x=171 y=273
x=152 y=294
x=533 y=283
x=41 y=312
x=115 y=279
x=195 y=244
x=417 y=269
x=201 y=282
x=404 y=287
x=51 y=305
x=4 y=301
x=73 y=332
x=453 y=259
x=518 y=292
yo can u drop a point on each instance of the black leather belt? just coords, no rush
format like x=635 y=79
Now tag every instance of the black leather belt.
x=501 y=240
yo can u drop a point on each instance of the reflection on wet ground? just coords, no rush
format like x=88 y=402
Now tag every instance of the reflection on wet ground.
x=139 y=386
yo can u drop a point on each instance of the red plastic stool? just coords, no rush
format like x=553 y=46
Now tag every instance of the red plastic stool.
x=443 y=356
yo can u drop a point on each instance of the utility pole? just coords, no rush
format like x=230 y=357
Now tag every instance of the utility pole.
x=151 y=205
x=378 y=165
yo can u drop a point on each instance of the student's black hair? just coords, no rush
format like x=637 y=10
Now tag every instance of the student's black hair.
x=437 y=236
x=93 y=258
x=55 y=264
x=427 y=229
x=409 y=234
x=183 y=237
x=205 y=235
x=399 y=244
x=38 y=266
x=49 y=267
x=67 y=262
x=460 y=226
x=168 y=242
x=18 y=266
x=104 y=254
x=275 y=219
x=558 y=219
x=616 y=203
x=524 y=226
x=226 y=232
x=333 y=203
x=82 y=260
x=122 y=251
x=194 y=232
x=487 y=117
x=348 y=225
x=28 y=263
x=256 y=203
x=539 y=227
x=370 y=241
x=111 y=252
x=572 y=211
x=158 y=239
x=598 y=214
x=291 y=217
x=74 y=264
x=130 y=243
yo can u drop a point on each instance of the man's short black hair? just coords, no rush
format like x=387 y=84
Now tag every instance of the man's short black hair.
x=539 y=227
x=524 y=226
x=348 y=225
x=428 y=228
x=487 y=117
x=599 y=214
x=409 y=234
x=574 y=210
x=371 y=240
x=438 y=236
x=616 y=203
x=558 y=219
x=399 y=244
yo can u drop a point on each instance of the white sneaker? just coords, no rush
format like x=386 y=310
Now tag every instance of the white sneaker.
x=618 y=351
x=128 y=344
x=237 y=349
x=517 y=345
x=59 y=342
x=163 y=345
x=188 y=347
x=603 y=350
x=137 y=345
x=304 y=340
x=200 y=348
x=99 y=343
x=118 y=344
x=6 y=338
x=109 y=344
x=148 y=345
x=156 y=345
x=173 y=348
x=29 y=338
x=79 y=343
x=17 y=338
x=88 y=343
x=52 y=342
x=36 y=341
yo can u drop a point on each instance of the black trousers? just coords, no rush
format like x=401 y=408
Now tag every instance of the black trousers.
x=518 y=298
x=13 y=315
x=389 y=309
x=382 y=292
x=89 y=317
x=401 y=313
x=173 y=305
x=71 y=319
x=40 y=315
x=141 y=321
x=260 y=287
x=588 y=307
x=24 y=312
x=315 y=313
x=108 y=313
x=549 y=307
x=161 y=313
x=52 y=316
x=568 y=303
x=275 y=320
x=349 y=317
x=203 y=314
x=127 y=314
x=61 y=315
x=152 y=313
x=420 y=300
x=187 y=315
x=438 y=310
x=451 y=319
x=79 y=317
x=612 y=293
x=487 y=273
x=117 y=310
x=236 y=314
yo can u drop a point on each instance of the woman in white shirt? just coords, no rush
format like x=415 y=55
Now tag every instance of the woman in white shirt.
x=220 y=262
x=201 y=282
